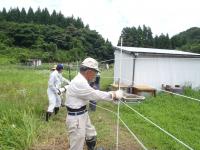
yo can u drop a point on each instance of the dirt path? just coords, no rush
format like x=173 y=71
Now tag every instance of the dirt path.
x=107 y=134
x=105 y=123
x=56 y=143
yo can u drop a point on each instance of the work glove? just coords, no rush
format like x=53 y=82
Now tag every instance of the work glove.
x=116 y=95
x=62 y=90
x=119 y=94
x=58 y=92
x=113 y=96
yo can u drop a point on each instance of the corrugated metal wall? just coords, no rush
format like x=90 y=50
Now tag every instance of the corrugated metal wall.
x=158 y=70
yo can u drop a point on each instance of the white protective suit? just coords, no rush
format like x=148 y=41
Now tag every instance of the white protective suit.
x=55 y=81
x=79 y=92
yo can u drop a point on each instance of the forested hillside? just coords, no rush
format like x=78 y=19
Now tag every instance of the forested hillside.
x=49 y=37
x=188 y=40
x=56 y=38
x=143 y=37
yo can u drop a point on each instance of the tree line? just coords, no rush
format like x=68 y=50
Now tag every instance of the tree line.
x=188 y=40
x=34 y=35
x=40 y=16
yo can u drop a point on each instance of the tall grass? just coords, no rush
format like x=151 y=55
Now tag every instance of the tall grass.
x=22 y=98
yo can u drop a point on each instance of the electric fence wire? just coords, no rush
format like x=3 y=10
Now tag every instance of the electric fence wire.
x=180 y=95
x=131 y=132
x=166 y=132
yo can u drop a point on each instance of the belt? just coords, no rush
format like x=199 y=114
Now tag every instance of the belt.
x=75 y=112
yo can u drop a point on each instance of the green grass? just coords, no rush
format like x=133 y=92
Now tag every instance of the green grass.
x=105 y=82
x=179 y=116
x=23 y=98
x=6 y=60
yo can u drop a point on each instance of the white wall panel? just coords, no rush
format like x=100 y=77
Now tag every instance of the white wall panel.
x=169 y=71
x=126 y=68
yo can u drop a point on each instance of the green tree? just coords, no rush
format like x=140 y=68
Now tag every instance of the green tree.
x=61 y=22
x=137 y=37
x=53 y=17
x=13 y=15
x=162 y=42
x=79 y=23
x=73 y=41
x=141 y=37
x=38 y=17
x=3 y=14
x=30 y=15
x=24 y=37
x=45 y=16
x=148 y=38
x=23 y=16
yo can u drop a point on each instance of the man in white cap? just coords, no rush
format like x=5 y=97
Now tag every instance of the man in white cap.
x=79 y=92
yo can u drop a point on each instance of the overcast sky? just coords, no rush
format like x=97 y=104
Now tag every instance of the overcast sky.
x=109 y=17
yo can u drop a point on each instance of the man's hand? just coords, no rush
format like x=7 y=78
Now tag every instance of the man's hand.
x=62 y=90
x=116 y=95
x=119 y=94
x=58 y=92
x=113 y=95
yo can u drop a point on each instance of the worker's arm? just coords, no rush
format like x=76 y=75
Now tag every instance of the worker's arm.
x=86 y=92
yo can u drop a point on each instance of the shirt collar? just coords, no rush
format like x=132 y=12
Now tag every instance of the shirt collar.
x=81 y=76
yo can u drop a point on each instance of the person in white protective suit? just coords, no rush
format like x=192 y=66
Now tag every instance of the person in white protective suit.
x=54 y=83
x=79 y=92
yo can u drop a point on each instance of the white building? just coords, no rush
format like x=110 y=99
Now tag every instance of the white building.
x=155 y=67
x=34 y=62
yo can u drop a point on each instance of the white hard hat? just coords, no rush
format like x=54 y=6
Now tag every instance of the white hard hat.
x=90 y=63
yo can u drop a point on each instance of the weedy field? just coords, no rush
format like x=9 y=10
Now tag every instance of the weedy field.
x=23 y=100
x=22 y=97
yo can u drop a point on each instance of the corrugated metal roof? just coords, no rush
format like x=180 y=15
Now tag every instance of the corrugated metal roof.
x=157 y=51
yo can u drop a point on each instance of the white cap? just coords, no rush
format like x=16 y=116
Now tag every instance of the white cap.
x=90 y=63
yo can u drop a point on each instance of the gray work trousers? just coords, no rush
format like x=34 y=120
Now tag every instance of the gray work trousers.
x=79 y=128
